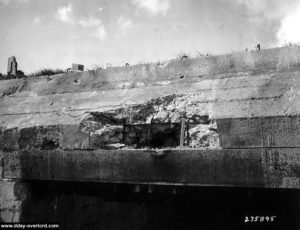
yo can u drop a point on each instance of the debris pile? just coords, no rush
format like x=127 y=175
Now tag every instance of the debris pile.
x=155 y=124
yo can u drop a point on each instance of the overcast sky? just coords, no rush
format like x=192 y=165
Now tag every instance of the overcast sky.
x=57 y=33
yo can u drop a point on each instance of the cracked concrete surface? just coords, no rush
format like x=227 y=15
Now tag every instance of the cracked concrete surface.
x=243 y=112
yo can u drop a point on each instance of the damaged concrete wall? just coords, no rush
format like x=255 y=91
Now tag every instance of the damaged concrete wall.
x=137 y=126
x=235 y=102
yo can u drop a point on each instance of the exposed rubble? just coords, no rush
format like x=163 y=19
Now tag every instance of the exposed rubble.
x=153 y=124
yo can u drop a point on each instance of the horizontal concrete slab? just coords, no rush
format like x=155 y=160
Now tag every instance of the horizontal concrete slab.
x=238 y=95
x=228 y=89
x=278 y=59
x=260 y=167
x=283 y=132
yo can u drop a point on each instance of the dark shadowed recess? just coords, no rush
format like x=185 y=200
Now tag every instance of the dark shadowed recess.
x=124 y=206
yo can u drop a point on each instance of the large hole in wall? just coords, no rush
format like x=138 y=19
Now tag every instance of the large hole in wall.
x=152 y=135
x=193 y=134
x=49 y=144
x=165 y=135
x=154 y=124
x=200 y=134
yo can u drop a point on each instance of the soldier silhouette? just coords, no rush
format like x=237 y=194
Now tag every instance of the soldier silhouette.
x=258 y=46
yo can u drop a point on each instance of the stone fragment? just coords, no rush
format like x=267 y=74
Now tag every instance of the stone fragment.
x=106 y=137
x=204 y=136
x=112 y=132
x=114 y=140
x=139 y=127
x=120 y=136
x=132 y=134
x=116 y=145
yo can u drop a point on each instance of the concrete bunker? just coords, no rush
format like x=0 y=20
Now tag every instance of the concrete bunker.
x=61 y=172
x=156 y=124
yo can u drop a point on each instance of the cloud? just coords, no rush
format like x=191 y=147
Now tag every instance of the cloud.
x=65 y=14
x=153 y=6
x=95 y=26
x=267 y=9
x=260 y=8
x=36 y=20
x=289 y=29
x=276 y=21
x=6 y=2
x=100 y=32
x=285 y=12
x=89 y=22
x=124 y=23
x=253 y=5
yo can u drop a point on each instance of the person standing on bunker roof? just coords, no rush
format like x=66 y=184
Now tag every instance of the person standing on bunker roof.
x=258 y=46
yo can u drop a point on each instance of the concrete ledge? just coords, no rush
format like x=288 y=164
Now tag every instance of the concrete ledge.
x=260 y=167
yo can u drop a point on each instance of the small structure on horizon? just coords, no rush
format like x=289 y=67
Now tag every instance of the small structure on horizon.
x=258 y=46
x=12 y=66
x=77 y=67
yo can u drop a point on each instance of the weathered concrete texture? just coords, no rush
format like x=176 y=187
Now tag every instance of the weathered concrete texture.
x=279 y=168
x=1 y=165
x=259 y=132
x=102 y=206
x=153 y=124
x=10 y=139
x=215 y=102
x=101 y=130
x=86 y=212
x=257 y=80
x=44 y=137
x=55 y=129
x=12 y=196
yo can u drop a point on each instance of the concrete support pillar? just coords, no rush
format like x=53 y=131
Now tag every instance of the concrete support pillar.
x=12 y=197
